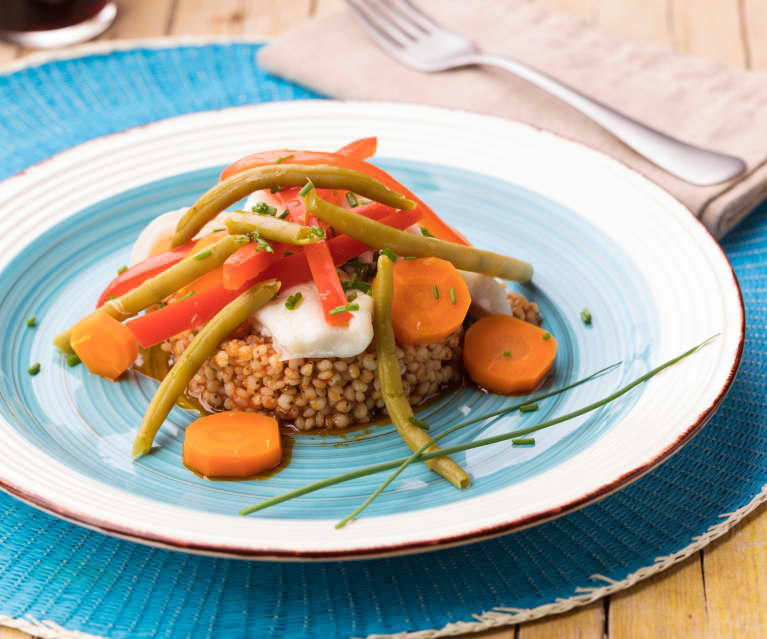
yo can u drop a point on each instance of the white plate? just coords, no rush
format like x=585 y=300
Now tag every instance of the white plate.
x=607 y=218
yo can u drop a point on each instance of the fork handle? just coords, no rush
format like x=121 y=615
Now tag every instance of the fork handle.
x=690 y=163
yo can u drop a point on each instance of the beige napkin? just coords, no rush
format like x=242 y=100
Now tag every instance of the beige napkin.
x=699 y=101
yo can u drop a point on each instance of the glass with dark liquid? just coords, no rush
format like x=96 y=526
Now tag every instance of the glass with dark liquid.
x=54 y=23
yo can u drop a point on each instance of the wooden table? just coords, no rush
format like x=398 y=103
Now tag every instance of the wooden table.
x=721 y=592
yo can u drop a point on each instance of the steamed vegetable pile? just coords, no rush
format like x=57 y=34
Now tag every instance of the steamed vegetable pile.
x=334 y=209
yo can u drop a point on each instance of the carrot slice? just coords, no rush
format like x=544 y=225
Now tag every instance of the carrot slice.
x=506 y=355
x=232 y=444
x=430 y=300
x=104 y=345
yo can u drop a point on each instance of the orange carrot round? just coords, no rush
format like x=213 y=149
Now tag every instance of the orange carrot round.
x=430 y=300
x=506 y=355
x=106 y=346
x=232 y=444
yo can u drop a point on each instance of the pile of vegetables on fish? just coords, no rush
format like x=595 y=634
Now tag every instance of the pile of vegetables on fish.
x=331 y=260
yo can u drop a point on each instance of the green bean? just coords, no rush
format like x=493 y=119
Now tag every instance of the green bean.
x=389 y=375
x=189 y=362
x=380 y=236
x=271 y=228
x=236 y=187
x=157 y=288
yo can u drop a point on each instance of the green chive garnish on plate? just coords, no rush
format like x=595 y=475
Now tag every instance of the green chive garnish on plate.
x=507 y=353
x=390 y=254
x=345 y=308
x=452 y=295
x=203 y=254
x=284 y=214
x=122 y=269
x=183 y=297
x=418 y=422
x=352 y=199
x=528 y=408
x=436 y=291
x=73 y=360
x=546 y=336
x=293 y=301
x=306 y=188
x=523 y=441
x=32 y=321
x=34 y=369
x=284 y=158
x=586 y=316
x=426 y=232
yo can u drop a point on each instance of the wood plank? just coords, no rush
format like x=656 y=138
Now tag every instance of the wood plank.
x=586 y=622
x=202 y=17
x=8 y=52
x=237 y=17
x=140 y=19
x=275 y=16
x=736 y=580
x=710 y=29
x=671 y=605
x=647 y=20
x=754 y=17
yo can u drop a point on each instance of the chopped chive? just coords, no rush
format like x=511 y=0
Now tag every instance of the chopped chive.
x=293 y=301
x=318 y=231
x=203 y=254
x=436 y=291
x=452 y=295
x=352 y=199
x=390 y=254
x=73 y=360
x=284 y=214
x=262 y=208
x=352 y=296
x=507 y=353
x=418 y=422
x=586 y=316
x=546 y=336
x=426 y=232
x=275 y=189
x=523 y=441
x=285 y=157
x=183 y=297
x=255 y=236
x=528 y=408
x=332 y=231
x=306 y=188
x=218 y=230
x=410 y=257
x=111 y=297
x=346 y=308
x=161 y=305
x=287 y=253
x=242 y=239
x=34 y=369
x=122 y=269
x=32 y=322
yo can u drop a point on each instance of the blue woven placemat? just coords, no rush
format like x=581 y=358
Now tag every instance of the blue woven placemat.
x=86 y=581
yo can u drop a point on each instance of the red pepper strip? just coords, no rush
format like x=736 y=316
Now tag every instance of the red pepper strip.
x=360 y=149
x=326 y=282
x=430 y=220
x=320 y=262
x=249 y=261
x=157 y=326
x=138 y=273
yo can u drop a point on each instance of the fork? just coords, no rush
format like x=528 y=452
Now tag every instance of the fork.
x=414 y=39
